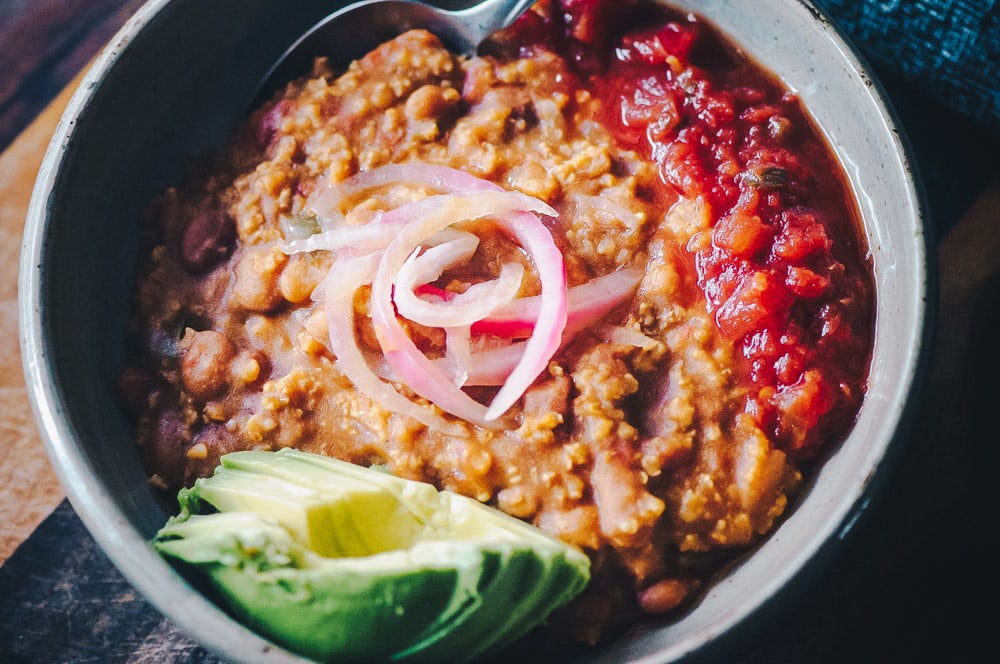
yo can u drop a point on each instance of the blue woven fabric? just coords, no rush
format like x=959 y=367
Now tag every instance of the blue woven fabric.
x=948 y=48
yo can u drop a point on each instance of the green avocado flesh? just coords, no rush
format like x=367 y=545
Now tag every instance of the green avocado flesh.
x=344 y=563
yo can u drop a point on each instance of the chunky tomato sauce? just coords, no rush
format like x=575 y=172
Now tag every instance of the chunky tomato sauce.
x=723 y=130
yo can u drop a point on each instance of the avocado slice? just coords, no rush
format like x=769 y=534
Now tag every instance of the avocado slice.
x=338 y=561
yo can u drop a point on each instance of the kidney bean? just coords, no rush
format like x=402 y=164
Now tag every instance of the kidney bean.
x=271 y=120
x=164 y=447
x=132 y=389
x=208 y=446
x=207 y=240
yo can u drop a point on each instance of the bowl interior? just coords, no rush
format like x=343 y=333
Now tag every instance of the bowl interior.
x=172 y=85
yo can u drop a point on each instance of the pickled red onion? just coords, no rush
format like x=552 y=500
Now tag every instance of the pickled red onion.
x=361 y=239
x=476 y=303
x=585 y=304
x=402 y=250
x=546 y=337
x=490 y=368
x=350 y=274
x=513 y=211
x=327 y=198
x=458 y=354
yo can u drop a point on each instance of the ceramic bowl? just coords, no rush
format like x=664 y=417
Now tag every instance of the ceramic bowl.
x=171 y=85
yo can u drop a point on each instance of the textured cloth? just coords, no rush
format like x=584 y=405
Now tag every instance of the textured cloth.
x=950 y=49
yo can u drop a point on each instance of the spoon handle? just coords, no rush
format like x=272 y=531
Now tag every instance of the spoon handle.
x=490 y=15
x=467 y=27
x=497 y=13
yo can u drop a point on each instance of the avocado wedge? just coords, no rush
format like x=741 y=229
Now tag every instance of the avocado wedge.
x=344 y=563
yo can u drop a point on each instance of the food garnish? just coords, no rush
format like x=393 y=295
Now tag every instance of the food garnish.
x=402 y=251
x=338 y=561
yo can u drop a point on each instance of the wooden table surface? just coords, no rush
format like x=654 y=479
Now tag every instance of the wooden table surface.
x=29 y=489
x=44 y=46
x=923 y=545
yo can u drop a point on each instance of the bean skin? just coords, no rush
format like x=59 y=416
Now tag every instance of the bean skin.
x=133 y=388
x=164 y=449
x=207 y=240
x=205 y=368
x=664 y=595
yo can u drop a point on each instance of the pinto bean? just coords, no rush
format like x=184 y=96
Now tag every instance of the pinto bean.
x=664 y=595
x=431 y=102
x=258 y=272
x=205 y=368
x=207 y=240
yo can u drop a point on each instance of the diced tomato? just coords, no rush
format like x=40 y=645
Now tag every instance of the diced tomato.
x=758 y=299
x=657 y=47
x=742 y=234
x=802 y=405
x=801 y=237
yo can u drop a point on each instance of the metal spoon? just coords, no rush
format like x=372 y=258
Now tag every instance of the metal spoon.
x=352 y=31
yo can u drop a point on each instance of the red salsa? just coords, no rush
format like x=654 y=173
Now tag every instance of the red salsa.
x=783 y=270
